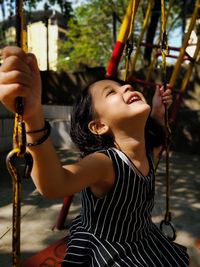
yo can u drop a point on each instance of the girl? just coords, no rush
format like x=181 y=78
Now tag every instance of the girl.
x=116 y=174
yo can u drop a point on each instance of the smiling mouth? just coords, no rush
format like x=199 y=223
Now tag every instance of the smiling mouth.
x=132 y=99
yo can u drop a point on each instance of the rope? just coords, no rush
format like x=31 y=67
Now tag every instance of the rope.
x=154 y=57
x=18 y=151
x=129 y=42
x=164 y=52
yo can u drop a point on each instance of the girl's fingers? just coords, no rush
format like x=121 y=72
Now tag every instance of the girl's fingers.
x=15 y=76
x=161 y=90
x=168 y=87
x=14 y=63
x=31 y=60
x=157 y=92
x=167 y=100
x=13 y=51
x=9 y=92
x=12 y=91
x=167 y=92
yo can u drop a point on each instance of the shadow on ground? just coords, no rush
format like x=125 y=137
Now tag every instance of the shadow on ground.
x=39 y=215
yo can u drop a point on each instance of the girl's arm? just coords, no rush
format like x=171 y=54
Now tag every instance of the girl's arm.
x=55 y=181
x=161 y=98
x=20 y=76
x=156 y=134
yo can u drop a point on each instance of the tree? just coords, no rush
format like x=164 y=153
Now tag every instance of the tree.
x=90 y=39
x=8 y=12
x=29 y=5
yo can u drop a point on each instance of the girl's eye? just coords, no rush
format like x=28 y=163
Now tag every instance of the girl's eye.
x=110 y=92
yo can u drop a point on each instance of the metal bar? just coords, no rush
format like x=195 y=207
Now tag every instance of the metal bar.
x=186 y=39
x=158 y=46
x=141 y=37
x=121 y=40
x=189 y=70
x=173 y=56
x=158 y=42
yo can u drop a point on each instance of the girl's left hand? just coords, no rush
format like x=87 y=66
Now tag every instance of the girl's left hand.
x=160 y=99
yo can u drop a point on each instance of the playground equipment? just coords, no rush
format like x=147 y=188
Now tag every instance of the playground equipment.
x=125 y=39
x=162 y=45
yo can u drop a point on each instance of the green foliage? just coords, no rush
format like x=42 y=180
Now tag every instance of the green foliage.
x=90 y=38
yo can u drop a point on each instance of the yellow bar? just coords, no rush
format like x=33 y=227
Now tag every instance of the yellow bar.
x=163 y=15
x=189 y=71
x=132 y=20
x=185 y=43
x=158 y=42
x=25 y=40
x=125 y=28
x=126 y=24
x=141 y=37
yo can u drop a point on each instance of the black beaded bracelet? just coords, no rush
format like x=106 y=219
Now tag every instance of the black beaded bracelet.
x=40 y=130
x=46 y=128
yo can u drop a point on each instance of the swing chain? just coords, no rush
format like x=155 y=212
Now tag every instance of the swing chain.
x=128 y=52
x=165 y=51
x=19 y=144
x=168 y=223
x=164 y=44
x=18 y=151
x=129 y=48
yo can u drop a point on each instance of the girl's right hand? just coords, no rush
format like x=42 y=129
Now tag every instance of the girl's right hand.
x=20 y=76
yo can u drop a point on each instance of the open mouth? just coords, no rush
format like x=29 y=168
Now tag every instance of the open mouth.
x=133 y=98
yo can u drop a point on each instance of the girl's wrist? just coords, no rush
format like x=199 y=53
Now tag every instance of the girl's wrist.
x=35 y=123
x=158 y=117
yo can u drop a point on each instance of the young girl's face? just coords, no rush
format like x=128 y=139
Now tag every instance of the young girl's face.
x=117 y=105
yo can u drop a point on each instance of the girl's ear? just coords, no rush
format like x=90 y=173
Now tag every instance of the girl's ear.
x=97 y=127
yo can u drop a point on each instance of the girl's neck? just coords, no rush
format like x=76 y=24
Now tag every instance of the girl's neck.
x=133 y=145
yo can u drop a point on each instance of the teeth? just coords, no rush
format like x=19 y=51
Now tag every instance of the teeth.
x=134 y=98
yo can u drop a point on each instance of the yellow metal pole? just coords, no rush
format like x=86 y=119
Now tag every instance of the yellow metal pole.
x=185 y=43
x=189 y=70
x=125 y=28
x=129 y=42
x=125 y=24
x=158 y=42
x=141 y=37
x=121 y=39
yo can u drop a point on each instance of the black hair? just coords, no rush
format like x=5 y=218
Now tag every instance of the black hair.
x=83 y=112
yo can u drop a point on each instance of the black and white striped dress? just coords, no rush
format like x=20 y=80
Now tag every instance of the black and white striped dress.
x=117 y=230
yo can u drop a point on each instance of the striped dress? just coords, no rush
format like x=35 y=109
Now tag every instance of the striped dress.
x=117 y=230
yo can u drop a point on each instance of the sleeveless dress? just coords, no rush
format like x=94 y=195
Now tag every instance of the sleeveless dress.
x=117 y=230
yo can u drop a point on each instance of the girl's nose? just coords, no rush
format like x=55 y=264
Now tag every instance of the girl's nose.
x=126 y=88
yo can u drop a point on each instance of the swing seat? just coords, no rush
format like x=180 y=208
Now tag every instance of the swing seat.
x=52 y=256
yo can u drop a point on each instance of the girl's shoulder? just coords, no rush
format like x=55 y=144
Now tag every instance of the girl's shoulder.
x=102 y=166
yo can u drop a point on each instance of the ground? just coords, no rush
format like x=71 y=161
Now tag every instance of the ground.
x=39 y=215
